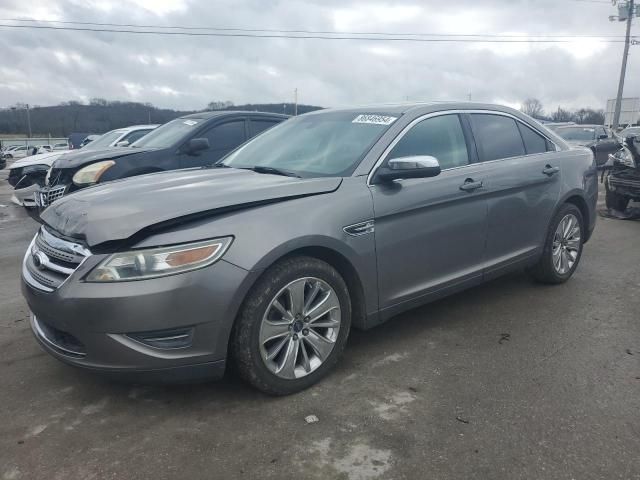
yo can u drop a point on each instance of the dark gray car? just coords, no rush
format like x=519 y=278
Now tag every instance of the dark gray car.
x=331 y=220
x=596 y=137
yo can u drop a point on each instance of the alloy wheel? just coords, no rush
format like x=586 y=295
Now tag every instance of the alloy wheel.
x=566 y=244
x=300 y=327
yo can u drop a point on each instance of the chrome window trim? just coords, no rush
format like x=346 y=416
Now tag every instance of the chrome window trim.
x=414 y=122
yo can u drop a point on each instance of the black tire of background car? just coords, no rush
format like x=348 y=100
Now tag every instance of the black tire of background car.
x=245 y=348
x=544 y=271
x=615 y=200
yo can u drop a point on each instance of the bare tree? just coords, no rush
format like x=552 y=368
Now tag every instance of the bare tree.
x=532 y=107
x=562 y=115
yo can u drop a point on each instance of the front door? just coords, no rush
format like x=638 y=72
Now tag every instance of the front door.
x=430 y=233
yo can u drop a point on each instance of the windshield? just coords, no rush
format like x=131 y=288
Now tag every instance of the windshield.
x=104 y=141
x=577 y=133
x=323 y=144
x=168 y=134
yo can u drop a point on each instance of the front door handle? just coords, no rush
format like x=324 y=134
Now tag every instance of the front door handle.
x=550 y=171
x=470 y=185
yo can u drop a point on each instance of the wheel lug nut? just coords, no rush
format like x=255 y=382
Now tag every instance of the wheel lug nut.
x=306 y=319
x=295 y=336
x=305 y=331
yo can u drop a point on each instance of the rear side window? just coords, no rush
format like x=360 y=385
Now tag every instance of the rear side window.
x=533 y=141
x=441 y=137
x=258 y=126
x=496 y=137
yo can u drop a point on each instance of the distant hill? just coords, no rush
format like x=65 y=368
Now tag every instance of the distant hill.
x=100 y=116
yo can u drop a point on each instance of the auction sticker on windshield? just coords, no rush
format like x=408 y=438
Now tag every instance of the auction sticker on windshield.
x=191 y=123
x=375 y=119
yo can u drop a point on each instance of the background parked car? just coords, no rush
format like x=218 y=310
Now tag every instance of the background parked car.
x=88 y=140
x=19 y=151
x=28 y=174
x=194 y=140
x=596 y=137
x=622 y=182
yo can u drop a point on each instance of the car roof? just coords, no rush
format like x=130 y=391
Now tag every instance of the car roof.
x=229 y=113
x=420 y=108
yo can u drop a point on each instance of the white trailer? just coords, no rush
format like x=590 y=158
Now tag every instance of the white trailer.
x=629 y=112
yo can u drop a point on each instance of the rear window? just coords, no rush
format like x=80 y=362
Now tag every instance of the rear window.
x=496 y=137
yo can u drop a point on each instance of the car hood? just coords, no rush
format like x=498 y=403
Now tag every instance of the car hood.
x=118 y=210
x=40 y=159
x=78 y=158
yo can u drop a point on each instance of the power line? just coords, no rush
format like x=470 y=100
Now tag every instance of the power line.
x=306 y=36
x=310 y=32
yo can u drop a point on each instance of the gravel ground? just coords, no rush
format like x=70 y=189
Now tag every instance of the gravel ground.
x=511 y=380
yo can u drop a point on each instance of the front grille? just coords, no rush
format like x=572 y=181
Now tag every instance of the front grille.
x=624 y=182
x=50 y=260
x=48 y=195
x=60 y=341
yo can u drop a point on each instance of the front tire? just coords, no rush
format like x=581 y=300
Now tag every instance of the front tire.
x=292 y=327
x=562 y=248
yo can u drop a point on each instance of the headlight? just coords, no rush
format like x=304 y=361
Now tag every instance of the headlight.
x=159 y=262
x=92 y=173
x=625 y=157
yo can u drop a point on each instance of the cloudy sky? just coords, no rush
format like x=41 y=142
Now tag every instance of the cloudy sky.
x=45 y=67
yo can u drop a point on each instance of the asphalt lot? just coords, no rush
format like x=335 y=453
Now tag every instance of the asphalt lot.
x=511 y=380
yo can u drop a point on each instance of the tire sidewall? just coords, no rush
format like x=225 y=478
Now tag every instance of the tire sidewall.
x=247 y=345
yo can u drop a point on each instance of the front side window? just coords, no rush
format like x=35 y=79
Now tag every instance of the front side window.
x=105 y=141
x=496 y=136
x=259 y=126
x=440 y=137
x=314 y=145
x=226 y=136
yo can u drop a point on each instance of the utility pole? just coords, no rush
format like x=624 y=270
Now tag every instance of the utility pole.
x=28 y=121
x=630 y=11
x=295 y=102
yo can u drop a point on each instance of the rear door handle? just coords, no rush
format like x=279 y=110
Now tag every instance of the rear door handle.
x=470 y=185
x=550 y=171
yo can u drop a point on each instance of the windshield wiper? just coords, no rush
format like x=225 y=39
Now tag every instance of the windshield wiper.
x=272 y=171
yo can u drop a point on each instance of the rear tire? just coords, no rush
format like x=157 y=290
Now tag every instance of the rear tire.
x=282 y=343
x=562 y=247
x=615 y=201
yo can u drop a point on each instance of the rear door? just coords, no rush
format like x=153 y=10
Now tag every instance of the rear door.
x=430 y=232
x=523 y=174
x=223 y=137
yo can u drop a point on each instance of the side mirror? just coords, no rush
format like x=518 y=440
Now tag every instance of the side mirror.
x=196 y=145
x=604 y=136
x=421 y=166
x=123 y=143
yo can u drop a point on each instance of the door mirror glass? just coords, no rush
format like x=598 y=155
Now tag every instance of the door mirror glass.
x=421 y=166
x=196 y=145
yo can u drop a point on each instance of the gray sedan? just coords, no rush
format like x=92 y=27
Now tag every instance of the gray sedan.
x=331 y=220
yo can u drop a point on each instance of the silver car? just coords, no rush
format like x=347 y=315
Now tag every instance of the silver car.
x=331 y=220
